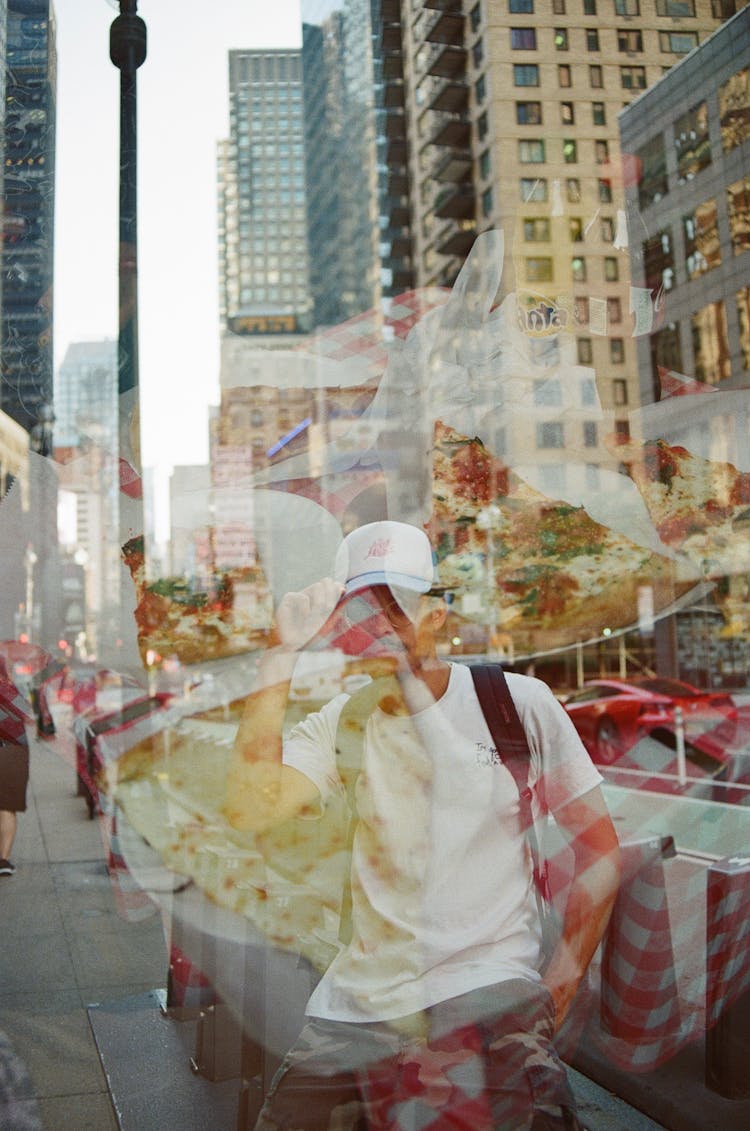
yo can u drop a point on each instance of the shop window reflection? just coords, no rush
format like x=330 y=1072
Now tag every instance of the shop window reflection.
x=711 y=343
x=743 y=317
x=702 y=250
x=666 y=353
x=692 y=142
x=653 y=161
x=734 y=109
x=738 y=203
x=658 y=260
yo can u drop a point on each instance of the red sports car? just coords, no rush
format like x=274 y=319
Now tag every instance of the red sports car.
x=612 y=715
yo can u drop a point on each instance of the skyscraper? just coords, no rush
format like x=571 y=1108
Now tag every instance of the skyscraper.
x=29 y=211
x=264 y=285
x=341 y=150
x=86 y=394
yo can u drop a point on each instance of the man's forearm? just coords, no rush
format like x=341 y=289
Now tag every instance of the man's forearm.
x=587 y=912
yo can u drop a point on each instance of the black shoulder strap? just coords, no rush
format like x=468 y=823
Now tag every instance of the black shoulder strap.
x=506 y=728
x=512 y=745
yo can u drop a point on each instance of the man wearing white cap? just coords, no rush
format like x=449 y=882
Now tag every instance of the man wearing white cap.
x=435 y=1013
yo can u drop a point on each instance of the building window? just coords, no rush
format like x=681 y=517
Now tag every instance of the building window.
x=601 y=152
x=578 y=268
x=590 y=436
x=475 y=17
x=589 y=7
x=616 y=351
x=550 y=434
x=533 y=189
x=622 y=431
x=525 y=74
x=734 y=109
x=521 y=7
x=598 y=113
x=585 y=351
x=743 y=317
x=529 y=113
x=738 y=206
x=592 y=39
x=653 y=184
x=484 y=164
x=536 y=230
x=564 y=75
x=523 y=39
x=482 y=126
x=676 y=8
x=561 y=39
x=570 y=151
x=588 y=392
x=611 y=269
x=678 y=42
x=711 y=343
x=477 y=53
x=567 y=113
x=558 y=7
x=614 y=310
x=608 y=229
x=692 y=142
x=633 y=78
x=580 y=311
x=701 y=232
x=666 y=354
x=573 y=190
x=605 y=191
x=538 y=269
x=480 y=89
x=487 y=202
x=575 y=229
x=548 y=394
x=629 y=40
x=531 y=151
x=627 y=8
x=620 y=391
x=596 y=78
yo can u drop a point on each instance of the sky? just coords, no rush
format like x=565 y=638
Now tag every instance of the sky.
x=182 y=113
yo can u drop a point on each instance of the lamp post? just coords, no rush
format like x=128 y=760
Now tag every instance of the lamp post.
x=127 y=50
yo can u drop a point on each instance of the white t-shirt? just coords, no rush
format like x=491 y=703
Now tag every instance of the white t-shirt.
x=443 y=901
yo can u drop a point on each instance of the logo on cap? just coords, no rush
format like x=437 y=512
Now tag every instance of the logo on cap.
x=380 y=548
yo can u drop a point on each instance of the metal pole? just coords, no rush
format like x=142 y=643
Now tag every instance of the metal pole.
x=127 y=50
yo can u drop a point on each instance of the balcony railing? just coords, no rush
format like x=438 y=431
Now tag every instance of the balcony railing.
x=446 y=62
x=453 y=166
x=456 y=203
x=450 y=95
x=446 y=27
x=452 y=130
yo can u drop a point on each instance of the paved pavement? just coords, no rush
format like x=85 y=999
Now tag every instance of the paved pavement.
x=78 y=982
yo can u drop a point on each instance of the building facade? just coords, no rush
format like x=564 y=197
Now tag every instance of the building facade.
x=691 y=136
x=263 y=267
x=343 y=234
x=28 y=228
x=86 y=394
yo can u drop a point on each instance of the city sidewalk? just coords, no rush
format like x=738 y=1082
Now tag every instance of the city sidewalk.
x=71 y=967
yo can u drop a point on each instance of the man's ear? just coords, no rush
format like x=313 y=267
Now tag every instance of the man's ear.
x=439 y=616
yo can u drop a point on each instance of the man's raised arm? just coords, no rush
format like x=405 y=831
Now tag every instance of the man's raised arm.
x=261 y=791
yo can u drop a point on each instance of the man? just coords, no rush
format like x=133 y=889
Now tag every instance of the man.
x=14 y=766
x=435 y=1013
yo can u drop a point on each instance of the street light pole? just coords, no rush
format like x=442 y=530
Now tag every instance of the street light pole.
x=127 y=50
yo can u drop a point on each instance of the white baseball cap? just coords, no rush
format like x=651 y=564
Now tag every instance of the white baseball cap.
x=386 y=553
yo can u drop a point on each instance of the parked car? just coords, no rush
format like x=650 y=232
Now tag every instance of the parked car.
x=612 y=715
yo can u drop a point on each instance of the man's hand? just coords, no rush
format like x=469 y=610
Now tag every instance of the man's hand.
x=300 y=616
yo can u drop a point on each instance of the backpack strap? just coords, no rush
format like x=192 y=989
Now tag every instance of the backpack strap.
x=512 y=745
